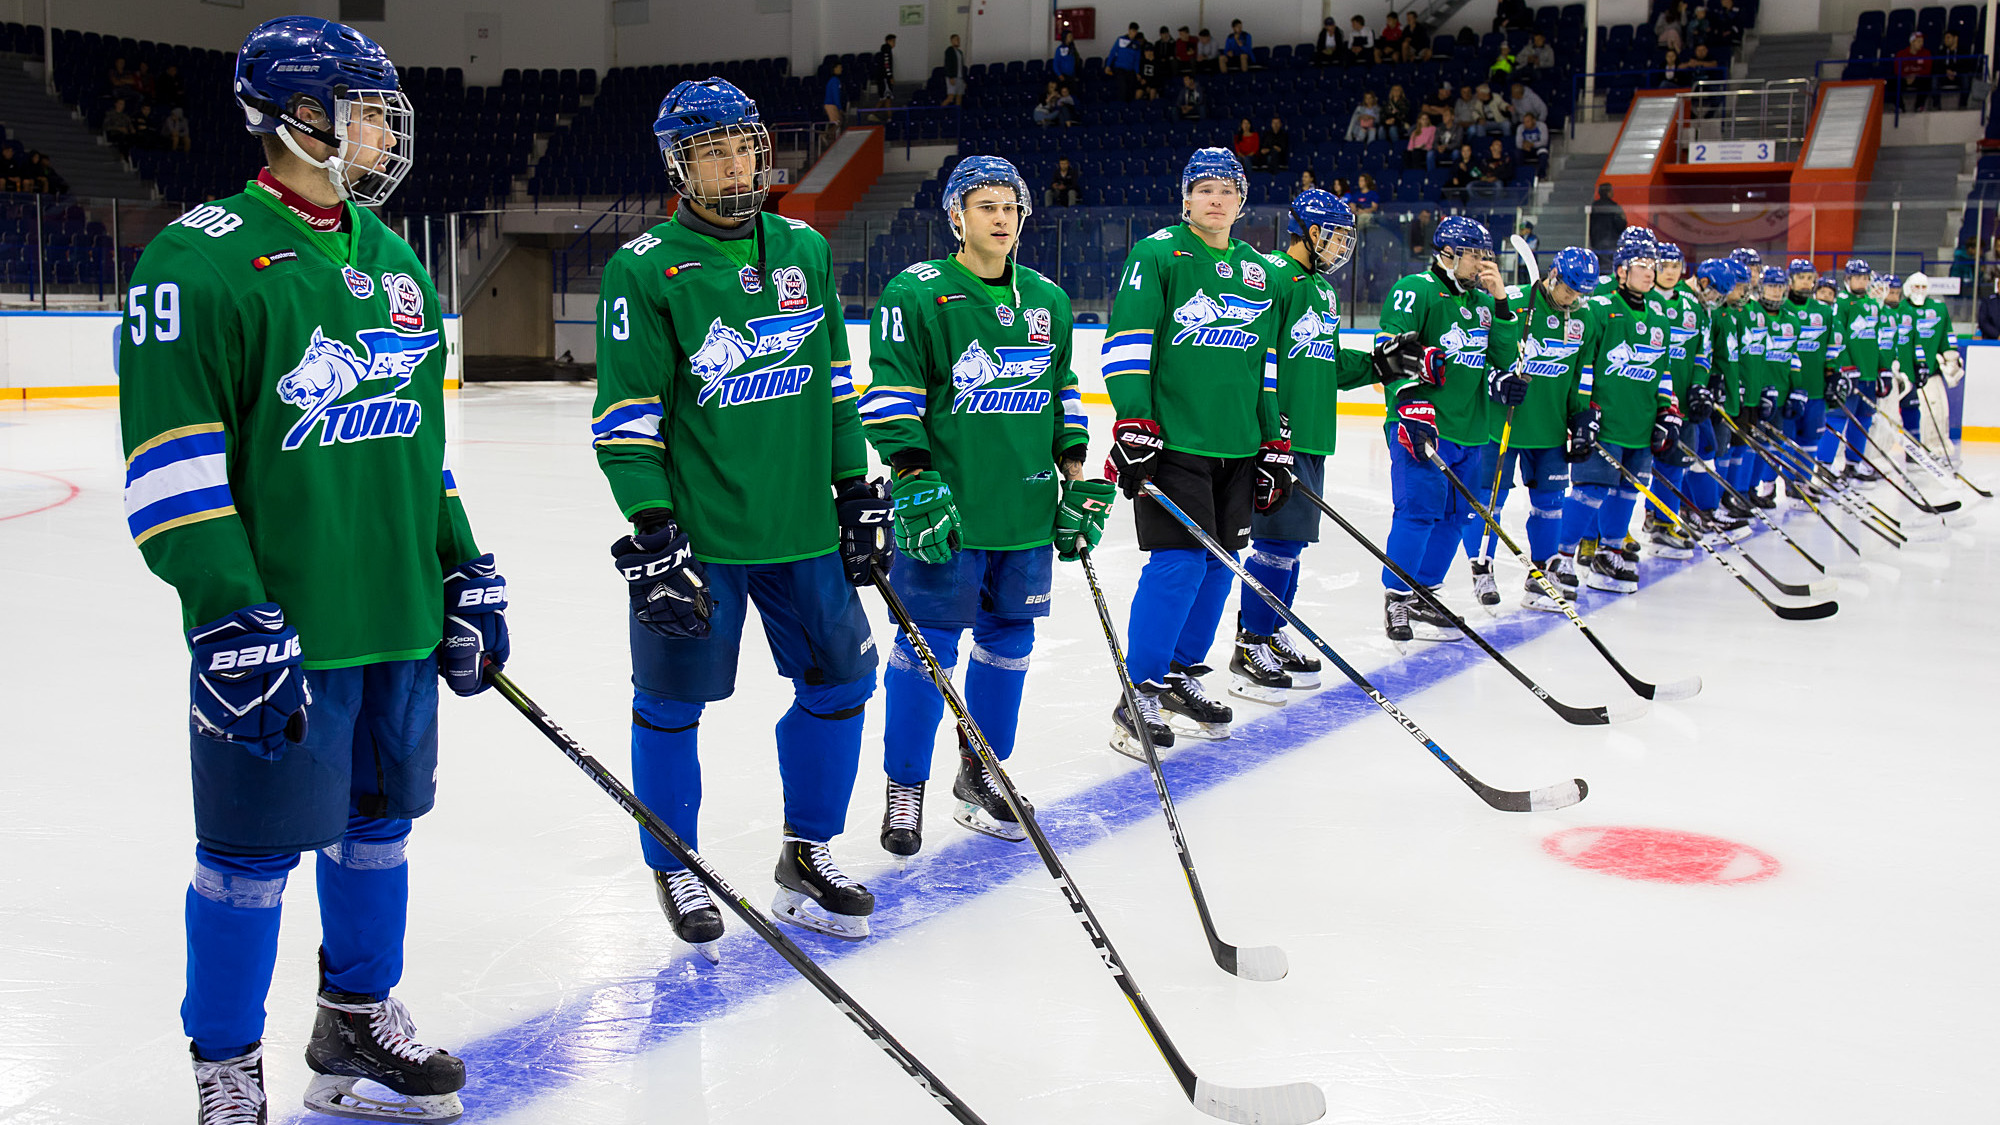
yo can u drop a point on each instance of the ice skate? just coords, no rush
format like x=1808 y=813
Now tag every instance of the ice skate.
x=1483 y=587
x=815 y=895
x=1670 y=543
x=903 y=820
x=1189 y=710
x=1396 y=616
x=230 y=1091
x=1301 y=666
x=1125 y=737
x=981 y=805
x=1603 y=574
x=1254 y=671
x=689 y=911
x=1536 y=598
x=355 y=1038
x=1428 y=623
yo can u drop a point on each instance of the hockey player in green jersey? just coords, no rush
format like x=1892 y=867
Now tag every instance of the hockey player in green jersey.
x=1688 y=364
x=1830 y=384
x=1895 y=339
x=1861 y=366
x=1552 y=327
x=1443 y=335
x=281 y=395
x=1625 y=406
x=1312 y=371
x=726 y=426
x=1190 y=362
x=1933 y=347
x=1769 y=382
x=1722 y=285
x=975 y=409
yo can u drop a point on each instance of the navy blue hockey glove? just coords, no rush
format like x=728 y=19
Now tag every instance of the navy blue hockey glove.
x=1508 y=388
x=865 y=515
x=1701 y=401
x=1583 y=428
x=1767 y=403
x=1417 y=427
x=1666 y=429
x=1274 y=477
x=1922 y=374
x=1135 y=454
x=475 y=625
x=1406 y=357
x=249 y=681
x=1839 y=384
x=1795 y=404
x=667 y=584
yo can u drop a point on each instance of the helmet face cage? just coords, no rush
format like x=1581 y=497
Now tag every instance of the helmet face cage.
x=1000 y=174
x=368 y=173
x=727 y=145
x=1333 y=248
x=1917 y=287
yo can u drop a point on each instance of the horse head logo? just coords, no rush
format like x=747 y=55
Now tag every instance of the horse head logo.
x=327 y=370
x=722 y=352
x=1199 y=310
x=974 y=369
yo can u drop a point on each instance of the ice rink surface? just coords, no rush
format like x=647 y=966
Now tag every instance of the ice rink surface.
x=1776 y=904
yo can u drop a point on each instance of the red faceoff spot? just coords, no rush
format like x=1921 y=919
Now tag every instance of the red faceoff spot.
x=1660 y=855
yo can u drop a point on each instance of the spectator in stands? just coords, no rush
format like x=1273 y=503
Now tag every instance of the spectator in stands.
x=1955 y=70
x=171 y=91
x=1246 y=142
x=1205 y=55
x=1698 y=27
x=142 y=79
x=1416 y=38
x=1418 y=231
x=885 y=72
x=1365 y=123
x=13 y=168
x=42 y=176
x=1237 y=47
x=1417 y=152
x=1067 y=101
x=1535 y=59
x=1149 y=76
x=1065 y=187
x=1164 y=48
x=1500 y=71
x=1464 y=173
x=1439 y=104
x=1668 y=28
x=1726 y=25
x=1607 y=222
x=1192 y=103
x=1307 y=182
x=1989 y=313
x=1124 y=55
x=1466 y=112
x=954 y=73
x=1184 y=50
x=1329 y=47
x=1531 y=140
x=1496 y=115
x=1396 y=114
x=1065 y=62
x=1524 y=101
x=1674 y=74
x=1048 y=111
x=1962 y=263
x=1389 y=44
x=1913 y=73
x=175 y=129
x=1274 y=152
x=1367 y=202
x=146 y=132
x=1340 y=189
x=1497 y=170
x=1702 y=66
x=831 y=103
x=118 y=125
x=121 y=80
x=1360 y=41
x=1468 y=39
x=1527 y=235
x=1444 y=144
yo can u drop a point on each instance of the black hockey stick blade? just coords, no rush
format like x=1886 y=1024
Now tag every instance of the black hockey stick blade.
x=1805 y=612
x=1533 y=800
x=1816 y=588
x=1293 y=1104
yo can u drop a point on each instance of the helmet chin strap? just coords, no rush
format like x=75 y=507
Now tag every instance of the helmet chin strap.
x=334 y=167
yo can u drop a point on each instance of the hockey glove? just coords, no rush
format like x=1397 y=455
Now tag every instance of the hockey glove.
x=1950 y=367
x=1274 y=477
x=475 y=625
x=1795 y=404
x=1767 y=403
x=1666 y=428
x=668 y=586
x=1583 y=428
x=1080 y=516
x=1838 y=386
x=1750 y=417
x=1405 y=359
x=1701 y=402
x=864 y=511
x=926 y=520
x=1135 y=454
x=248 y=681
x=1508 y=388
x=1416 y=427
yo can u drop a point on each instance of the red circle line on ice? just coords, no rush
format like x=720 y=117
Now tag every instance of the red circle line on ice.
x=1661 y=855
x=66 y=498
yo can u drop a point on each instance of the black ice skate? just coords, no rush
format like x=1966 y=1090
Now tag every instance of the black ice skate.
x=230 y=1091
x=1532 y=594
x=1483 y=586
x=1301 y=666
x=1670 y=543
x=981 y=805
x=355 y=1038
x=690 y=911
x=1428 y=623
x=903 y=820
x=1396 y=616
x=815 y=895
x=1626 y=559
x=1735 y=507
x=1254 y=671
x=1729 y=525
x=1125 y=736
x=1190 y=711
x=1602 y=573
x=1766 y=496
x=1563 y=569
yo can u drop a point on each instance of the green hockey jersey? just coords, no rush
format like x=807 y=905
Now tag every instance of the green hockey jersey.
x=1686 y=320
x=1930 y=330
x=1819 y=345
x=974 y=379
x=1551 y=341
x=1857 y=315
x=1473 y=332
x=281 y=396
x=723 y=389
x=1622 y=369
x=1725 y=334
x=1191 y=341
x=1780 y=354
x=1312 y=366
x=1895 y=338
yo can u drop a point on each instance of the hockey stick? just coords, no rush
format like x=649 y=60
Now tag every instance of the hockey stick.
x=1678 y=689
x=1260 y=963
x=1811 y=589
x=1838 y=490
x=1292 y=1104
x=1926 y=456
x=1548 y=797
x=1581 y=716
x=1915 y=450
x=1499 y=472
x=1790 y=613
x=1913 y=493
x=1757 y=448
x=713 y=880
x=1715 y=475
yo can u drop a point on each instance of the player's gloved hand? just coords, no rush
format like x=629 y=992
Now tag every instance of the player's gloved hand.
x=1767 y=403
x=475 y=625
x=249 y=681
x=1923 y=374
x=1838 y=387
x=1583 y=428
x=1135 y=454
x=667 y=584
x=1406 y=357
x=1274 y=476
x=1795 y=403
x=1508 y=388
x=864 y=511
x=1080 y=516
x=926 y=520
x=1701 y=401
x=1949 y=366
x=1416 y=426
x=1666 y=428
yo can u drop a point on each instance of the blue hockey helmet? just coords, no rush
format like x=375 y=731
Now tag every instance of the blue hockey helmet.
x=1461 y=232
x=1892 y=281
x=1634 y=248
x=301 y=76
x=1720 y=274
x=1315 y=207
x=1747 y=257
x=1771 y=275
x=1801 y=266
x=1670 y=251
x=976 y=172
x=1214 y=164
x=1826 y=281
x=710 y=121
x=1576 y=267
x=1856 y=267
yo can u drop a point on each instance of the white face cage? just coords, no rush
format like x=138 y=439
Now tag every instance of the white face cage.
x=1333 y=248
x=726 y=170
x=376 y=131
x=956 y=214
